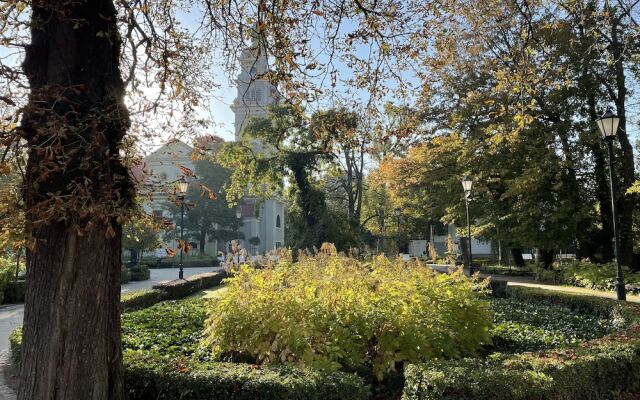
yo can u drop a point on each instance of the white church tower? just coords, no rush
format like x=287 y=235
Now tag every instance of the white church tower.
x=255 y=93
x=261 y=219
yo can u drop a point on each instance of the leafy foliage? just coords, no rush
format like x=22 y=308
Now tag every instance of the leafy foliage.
x=171 y=328
x=521 y=325
x=331 y=312
x=598 y=276
x=596 y=369
x=151 y=376
x=140 y=299
x=207 y=216
x=285 y=145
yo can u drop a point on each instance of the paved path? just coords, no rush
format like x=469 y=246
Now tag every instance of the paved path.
x=11 y=315
x=530 y=282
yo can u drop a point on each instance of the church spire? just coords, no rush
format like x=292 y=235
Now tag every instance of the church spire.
x=254 y=93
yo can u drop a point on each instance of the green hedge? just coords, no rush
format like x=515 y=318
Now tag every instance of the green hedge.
x=143 y=298
x=149 y=376
x=173 y=263
x=125 y=275
x=179 y=288
x=140 y=273
x=596 y=369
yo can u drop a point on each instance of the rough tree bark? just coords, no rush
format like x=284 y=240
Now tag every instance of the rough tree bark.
x=74 y=190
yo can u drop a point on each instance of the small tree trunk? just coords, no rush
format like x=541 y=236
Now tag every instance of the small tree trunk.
x=203 y=240
x=546 y=257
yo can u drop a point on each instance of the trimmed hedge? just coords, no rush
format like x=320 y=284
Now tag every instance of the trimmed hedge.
x=125 y=275
x=596 y=369
x=149 y=376
x=143 y=298
x=140 y=273
x=179 y=288
x=173 y=263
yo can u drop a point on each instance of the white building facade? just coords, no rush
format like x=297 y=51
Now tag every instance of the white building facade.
x=161 y=171
x=261 y=219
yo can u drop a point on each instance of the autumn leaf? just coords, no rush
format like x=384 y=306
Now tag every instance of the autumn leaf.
x=170 y=252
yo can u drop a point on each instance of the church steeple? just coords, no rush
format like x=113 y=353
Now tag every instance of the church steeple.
x=254 y=92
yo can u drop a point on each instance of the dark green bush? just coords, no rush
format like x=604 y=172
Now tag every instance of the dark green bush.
x=138 y=299
x=179 y=288
x=14 y=292
x=140 y=273
x=125 y=275
x=150 y=376
x=596 y=369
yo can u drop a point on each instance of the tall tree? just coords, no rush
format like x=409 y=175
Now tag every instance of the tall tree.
x=75 y=189
x=284 y=145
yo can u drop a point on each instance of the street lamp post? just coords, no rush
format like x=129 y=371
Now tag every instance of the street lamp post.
x=182 y=189
x=467 y=183
x=397 y=212
x=608 y=125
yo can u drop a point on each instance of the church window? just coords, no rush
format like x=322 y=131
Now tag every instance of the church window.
x=258 y=94
x=278 y=221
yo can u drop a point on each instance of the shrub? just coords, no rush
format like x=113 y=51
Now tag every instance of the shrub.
x=138 y=299
x=125 y=275
x=15 y=343
x=329 y=312
x=598 y=276
x=179 y=288
x=7 y=276
x=15 y=291
x=149 y=376
x=596 y=369
x=140 y=273
x=188 y=263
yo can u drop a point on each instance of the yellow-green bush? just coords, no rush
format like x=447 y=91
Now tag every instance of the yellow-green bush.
x=331 y=312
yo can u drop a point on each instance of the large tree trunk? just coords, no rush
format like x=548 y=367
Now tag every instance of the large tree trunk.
x=71 y=343
x=75 y=188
